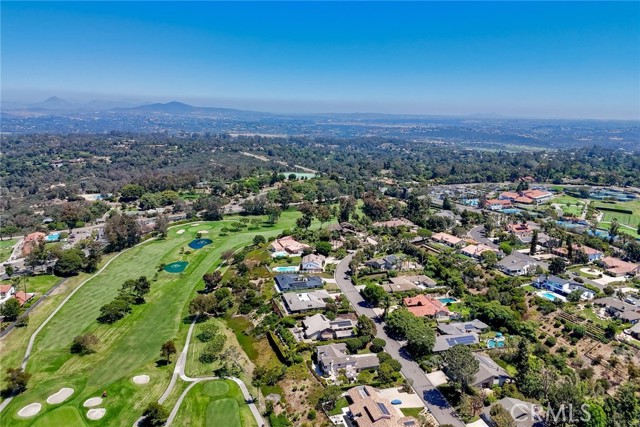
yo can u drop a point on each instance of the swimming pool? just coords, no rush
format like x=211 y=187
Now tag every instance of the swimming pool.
x=280 y=254
x=53 y=237
x=284 y=269
x=511 y=211
x=447 y=300
x=548 y=295
x=492 y=343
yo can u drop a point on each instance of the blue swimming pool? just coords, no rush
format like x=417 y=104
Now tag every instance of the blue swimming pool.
x=548 y=295
x=492 y=343
x=511 y=211
x=447 y=300
x=53 y=237
x=284 y=269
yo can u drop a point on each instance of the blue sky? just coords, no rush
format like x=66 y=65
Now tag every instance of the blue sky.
x=538 y=59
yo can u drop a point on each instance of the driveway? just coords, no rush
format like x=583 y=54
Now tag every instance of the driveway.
x=431 y=396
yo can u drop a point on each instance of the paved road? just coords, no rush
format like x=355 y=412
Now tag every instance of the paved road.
x=429 y=394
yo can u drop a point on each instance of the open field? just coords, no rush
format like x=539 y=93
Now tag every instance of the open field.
x=130 y=346
x=628 y=221
x=212 y=404
x=6 y=247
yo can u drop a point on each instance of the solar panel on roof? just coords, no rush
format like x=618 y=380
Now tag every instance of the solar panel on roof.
x=383 y=408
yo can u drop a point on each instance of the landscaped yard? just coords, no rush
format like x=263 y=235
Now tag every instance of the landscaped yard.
x=214 y=404
x=127 y=348
x=6 y=247
x=628 y=221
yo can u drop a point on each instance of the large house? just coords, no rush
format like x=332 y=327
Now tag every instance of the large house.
x=30 y=242
x=617 y=267
x=409 y=283
x=490 y=373
x=422 y=306
x=333 y=358
x=313 y=263
x=295 y=282
x=6 y=292
x=395 y=222
x=562 y=286
x=619 y=309
x=538 y=196
x=389 y=262
x=287 y=246
x=445 y=342
x=318 y=327
x=307 y=301
x=520 y=230
x=592 y=254
x=369 y=409
x=460 y=328
x=525 y=414
x=448 y=239
x=517 y=265
x=476 y=251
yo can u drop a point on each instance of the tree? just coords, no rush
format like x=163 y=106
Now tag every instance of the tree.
x=8 y=268
x=273 y=214
x=501 y=416
x=534 y=243
x=137 y=288
x=323 y=214
x=94 y=257
x=10 y=309
x=84 y=344
x=211 y=280
x=614 y=228
x=155 y=415
x=489 y=259
x=258 y=239
x=597 y=417
x=574 y=296
x=608 y=290
x=168 y=349
x=365 y=326
x=377 y=345
x=330 y=396
x=211 y=207
x=202 y=304
x=323 y=248
x=347 y=206
x=131 y=192
x=446 y=204
x=374 y=294
x=16 y=380
x=70 y=263
x=114 y=311
x=304 y=221
x=162 y=225
x=461 y=365
x=557 y=266
x=121 y=231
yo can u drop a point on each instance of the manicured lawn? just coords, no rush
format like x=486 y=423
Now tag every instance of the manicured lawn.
x=129 y=347
x=64 y=416
x=340 y=403
x=628 y=222
x=411 y=412
x=213 y=404
x=6 y=247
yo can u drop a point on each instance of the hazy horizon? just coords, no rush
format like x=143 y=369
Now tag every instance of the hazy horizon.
x=528 y=60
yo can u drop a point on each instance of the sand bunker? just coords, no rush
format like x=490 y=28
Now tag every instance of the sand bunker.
x=180 y=231
x=96 y=414
x=60 y=396
x=30 y=410
x=203 y=232
x=141 y=379
x=94 y=401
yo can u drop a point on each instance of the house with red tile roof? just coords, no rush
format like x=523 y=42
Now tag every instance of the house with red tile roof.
x=475 y=251
x=618 y=268
x=23 y=297
x=448 y=239
x=31 y=241
x=538 y=196
x=497 y=204
x=508 y=195
x=422 y=306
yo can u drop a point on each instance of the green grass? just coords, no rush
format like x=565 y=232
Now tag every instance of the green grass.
x=239 y=325
x=129 y=347
x=6 y=247
x=628 y=222
x=214 y=404
x=411 y=412
x=64 y=416
x=340 y=403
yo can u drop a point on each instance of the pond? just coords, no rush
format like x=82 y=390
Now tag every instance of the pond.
x=200 y=243
x=176 y=267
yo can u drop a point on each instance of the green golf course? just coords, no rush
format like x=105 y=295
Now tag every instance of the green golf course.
x=128 y=347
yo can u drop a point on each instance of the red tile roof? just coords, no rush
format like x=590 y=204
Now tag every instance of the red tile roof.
x=422 y=306
x=23 y=297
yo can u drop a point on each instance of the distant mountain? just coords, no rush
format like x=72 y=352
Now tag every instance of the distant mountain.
x=173 y=107
x=54 y=103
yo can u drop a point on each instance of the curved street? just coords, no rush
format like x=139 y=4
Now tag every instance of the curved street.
x=430 y=395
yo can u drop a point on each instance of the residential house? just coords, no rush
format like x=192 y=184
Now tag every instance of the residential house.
x=295 y=282
x=287 y=246
x=313 y=263
x=23 y=297
x=369 y=409
x=476 y=251
x=461 y=328
x=562 y=286
x=409 y=283
x=6 y=292
x=396 y=222
x=333 y=358
x=635 y=330
x=389 y=262
x=306 y=301
x=422 y=306
x=319 y=327
x=445 y=342
x=525 y=414
x=593 y=254
x=520 y=230
x=490 y=373
x=497 y=204
x=517 y=265
x=618 y=268
x=448 y=239
x=619 y=309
